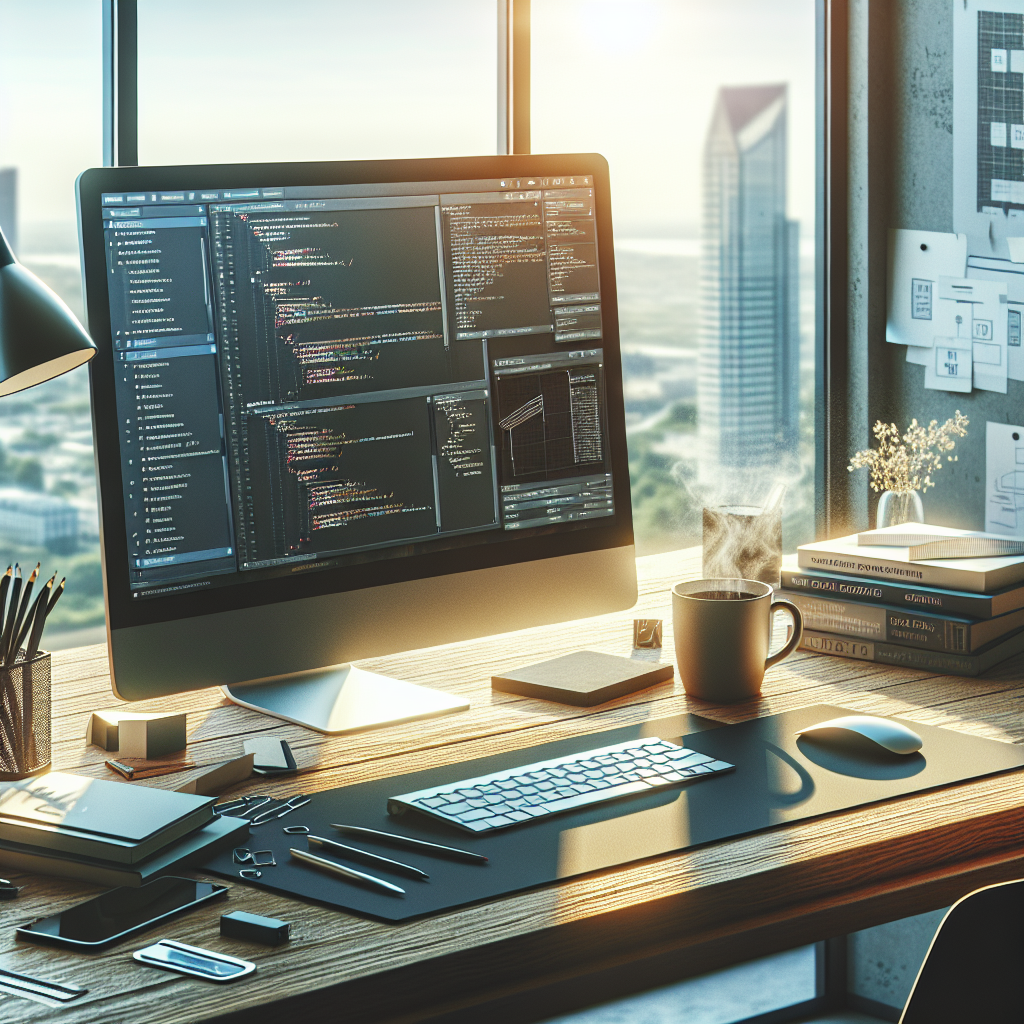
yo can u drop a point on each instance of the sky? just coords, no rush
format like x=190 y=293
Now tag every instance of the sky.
x=247 y=80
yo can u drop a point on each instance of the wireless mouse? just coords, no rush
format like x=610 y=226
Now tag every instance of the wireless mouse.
x=888 y=734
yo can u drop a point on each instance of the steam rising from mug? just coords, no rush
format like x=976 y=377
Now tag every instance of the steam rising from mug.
x=745 y=541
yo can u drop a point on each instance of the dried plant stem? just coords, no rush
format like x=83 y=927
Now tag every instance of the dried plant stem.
x=907 y=462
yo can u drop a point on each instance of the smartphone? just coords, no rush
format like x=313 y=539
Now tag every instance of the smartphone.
x=112 y=916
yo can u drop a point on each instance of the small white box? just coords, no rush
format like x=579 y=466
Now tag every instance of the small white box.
x=138 y=735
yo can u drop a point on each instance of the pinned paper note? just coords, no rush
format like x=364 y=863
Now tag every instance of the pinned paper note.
x=1004 y=479
x=1012 y=276
x=949 y=366
x=917 y=259
x=977 y=310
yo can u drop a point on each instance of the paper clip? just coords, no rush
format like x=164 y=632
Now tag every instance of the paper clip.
x=240 y=855
x=296 y=830
x=272 y=863
x=250 y=873
x=244 y=804
x=280 y=810
x=294 y=804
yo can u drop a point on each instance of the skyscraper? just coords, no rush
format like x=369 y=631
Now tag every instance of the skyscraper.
x=748 y=376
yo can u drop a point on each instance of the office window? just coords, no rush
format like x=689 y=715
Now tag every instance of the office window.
x=259 y=80
x=50 y=130
x=705 y=112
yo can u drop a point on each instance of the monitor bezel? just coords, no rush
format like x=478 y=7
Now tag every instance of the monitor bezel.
x=122 y=610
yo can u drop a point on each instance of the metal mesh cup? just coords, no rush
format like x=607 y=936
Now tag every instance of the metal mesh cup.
x=25 y=718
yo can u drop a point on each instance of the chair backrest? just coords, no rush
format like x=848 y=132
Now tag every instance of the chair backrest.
x=974 y=970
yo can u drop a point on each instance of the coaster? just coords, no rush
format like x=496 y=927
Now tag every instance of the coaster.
x=583 y=678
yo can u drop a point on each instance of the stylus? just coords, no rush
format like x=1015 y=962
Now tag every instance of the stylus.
x=354 y=853
x=343 y=872
x=412 y=844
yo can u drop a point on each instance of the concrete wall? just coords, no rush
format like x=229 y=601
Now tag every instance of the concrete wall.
x=901 y=175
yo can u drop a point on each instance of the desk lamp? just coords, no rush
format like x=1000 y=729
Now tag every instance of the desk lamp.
x=40 y=337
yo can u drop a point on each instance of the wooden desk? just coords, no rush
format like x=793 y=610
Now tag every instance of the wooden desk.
x=580 y=941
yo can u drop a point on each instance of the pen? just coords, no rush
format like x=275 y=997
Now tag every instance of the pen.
x=343 y=872
x=354 y=853
x=413 y=844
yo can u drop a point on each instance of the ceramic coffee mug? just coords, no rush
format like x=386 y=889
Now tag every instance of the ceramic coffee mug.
x=723 y=631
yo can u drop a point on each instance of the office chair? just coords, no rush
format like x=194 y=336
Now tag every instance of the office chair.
x=974 y=970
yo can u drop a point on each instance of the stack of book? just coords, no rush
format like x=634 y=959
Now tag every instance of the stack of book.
x=864 y=597
x=108 y=833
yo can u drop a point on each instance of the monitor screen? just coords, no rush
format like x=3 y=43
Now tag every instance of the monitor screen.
x=321 y=382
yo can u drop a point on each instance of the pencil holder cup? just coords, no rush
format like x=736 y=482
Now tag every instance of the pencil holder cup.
x=25 y=718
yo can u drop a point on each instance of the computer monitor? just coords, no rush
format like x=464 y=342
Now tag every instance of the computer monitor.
x=348 y=409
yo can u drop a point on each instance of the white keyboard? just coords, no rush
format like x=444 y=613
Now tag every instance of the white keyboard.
x=567 y=783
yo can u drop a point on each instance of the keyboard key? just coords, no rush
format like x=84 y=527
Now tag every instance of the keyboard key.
x=545 y=786
x=589 y=764
x=576 y=777
x=504 y=784
x=519 y=815
x=499 y=808
x=432 y=801
x=528 y=790
x=476 y=815
x=498 y=819
x=717 y=766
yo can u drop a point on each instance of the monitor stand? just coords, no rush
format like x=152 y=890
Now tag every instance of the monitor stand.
x=342 y=699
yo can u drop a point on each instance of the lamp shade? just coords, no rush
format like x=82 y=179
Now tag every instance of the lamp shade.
x=40 y=337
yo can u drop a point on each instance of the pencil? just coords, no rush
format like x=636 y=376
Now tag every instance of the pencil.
x=21 y=611
x=12 y=611
x=42 y=609
x=56 y=594
x=30 y=618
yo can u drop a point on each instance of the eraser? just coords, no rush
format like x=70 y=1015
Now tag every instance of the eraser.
x=253 y=928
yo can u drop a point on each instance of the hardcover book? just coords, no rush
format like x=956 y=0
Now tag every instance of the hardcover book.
x=907 y=626
x=901 y=595
x=882 y=562
x=219 y=834
x=110 y=821
x=945 y=662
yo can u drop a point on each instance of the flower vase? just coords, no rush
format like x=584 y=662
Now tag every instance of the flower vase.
x=896 y=507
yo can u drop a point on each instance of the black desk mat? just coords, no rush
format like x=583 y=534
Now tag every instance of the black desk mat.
x=779 y=778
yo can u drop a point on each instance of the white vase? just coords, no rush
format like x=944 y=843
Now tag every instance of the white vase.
x=895 y=507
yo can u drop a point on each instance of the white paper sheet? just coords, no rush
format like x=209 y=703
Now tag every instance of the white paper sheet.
x=949 y=366
x=1004 y=479
x=1013 y=276
x=977 y=309
x=917 y=259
